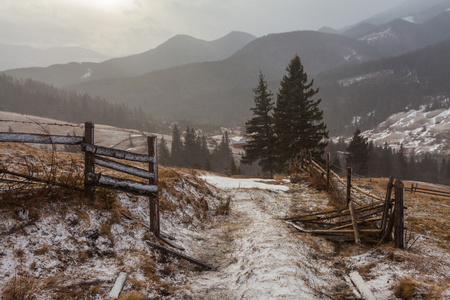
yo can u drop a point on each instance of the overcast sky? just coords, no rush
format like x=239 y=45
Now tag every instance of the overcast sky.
x=119 y=27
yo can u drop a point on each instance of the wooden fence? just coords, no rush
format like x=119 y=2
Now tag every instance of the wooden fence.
x=415 y=189
x=374 y=217
x=96 y=155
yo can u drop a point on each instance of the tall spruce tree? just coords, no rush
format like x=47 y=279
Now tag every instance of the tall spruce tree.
x=297 y=116
x=259 y=130
x=358 y=153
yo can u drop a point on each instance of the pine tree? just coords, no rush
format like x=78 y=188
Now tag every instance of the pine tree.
x=259 y=130
x=297 y=116
x=358 y=153
x=177 y=148
x=164 y=157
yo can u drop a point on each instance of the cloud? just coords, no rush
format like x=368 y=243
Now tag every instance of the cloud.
x=132 y=26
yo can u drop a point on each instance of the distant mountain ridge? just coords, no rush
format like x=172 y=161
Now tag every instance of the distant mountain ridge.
x=179 y=50
x=14 y=56
x=401 y=36
x=221 y=91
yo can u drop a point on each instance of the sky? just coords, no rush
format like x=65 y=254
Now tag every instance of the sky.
x=123 y=27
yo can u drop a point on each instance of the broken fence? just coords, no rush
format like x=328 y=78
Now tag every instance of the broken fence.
x=356 y=220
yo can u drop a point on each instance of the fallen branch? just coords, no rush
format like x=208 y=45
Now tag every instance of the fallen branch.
x=185 y=257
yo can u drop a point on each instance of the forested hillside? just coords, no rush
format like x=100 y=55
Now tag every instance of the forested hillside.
x=32 y=97
x=365 y=95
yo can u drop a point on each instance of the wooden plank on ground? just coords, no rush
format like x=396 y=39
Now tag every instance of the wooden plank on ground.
x=182 y=256
x=361 y=286
x=118 y=285
x=173 y=244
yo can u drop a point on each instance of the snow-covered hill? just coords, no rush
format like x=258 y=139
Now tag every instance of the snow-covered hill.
x=419 y=130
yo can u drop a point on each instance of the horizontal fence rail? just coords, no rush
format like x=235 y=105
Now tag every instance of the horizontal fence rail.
x=128 y=185
x=111 y=164
x=120 y=154
x=40 y=138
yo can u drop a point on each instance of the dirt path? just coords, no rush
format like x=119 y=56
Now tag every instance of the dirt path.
x=258 y=255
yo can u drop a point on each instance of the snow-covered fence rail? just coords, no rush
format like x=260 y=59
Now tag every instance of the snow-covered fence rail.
x=94 y=155
x=40 y=138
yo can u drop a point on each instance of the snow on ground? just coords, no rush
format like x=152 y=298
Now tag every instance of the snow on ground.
x=257 y=254
x=375 y=37
x=423 y=131
x=237 y=183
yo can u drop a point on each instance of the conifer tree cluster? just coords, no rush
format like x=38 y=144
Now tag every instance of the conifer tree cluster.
x=277 y=133
x=190 y=150
x=369 y=160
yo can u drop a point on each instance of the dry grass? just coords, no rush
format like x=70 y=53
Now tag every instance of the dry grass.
x=223 y=208
x=409 y=288
x=134 y=295
x=20 y=287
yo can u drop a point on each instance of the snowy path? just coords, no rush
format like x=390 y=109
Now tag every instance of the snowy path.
x=258 y=255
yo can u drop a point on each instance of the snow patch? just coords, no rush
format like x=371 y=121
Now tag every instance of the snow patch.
x=241 y=183
x=377 y=36
x=87 y=75
x=410 y=19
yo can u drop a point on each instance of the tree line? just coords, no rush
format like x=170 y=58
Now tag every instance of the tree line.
x=367 y=159
x=37 y=98
x=190 y=150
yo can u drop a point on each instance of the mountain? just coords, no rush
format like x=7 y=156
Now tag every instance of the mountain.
x=365 y=95
x=13 y=56
x=221 y=91
x=179 y=50
x=403 y=35
x=417 y=10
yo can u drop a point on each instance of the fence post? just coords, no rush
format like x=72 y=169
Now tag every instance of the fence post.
x=301 y=157
x=349 y=184
x=89 y=188
x=310 y=163
x=328 y=171
x=153 y=200
x=387 y=204
x=399 y=235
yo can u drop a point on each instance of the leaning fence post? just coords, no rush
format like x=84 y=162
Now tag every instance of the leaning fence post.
x=349 y=184
x=154 y=200
x=399 y=235
x=328 y=171
x=88 y=161
x=387 y=205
